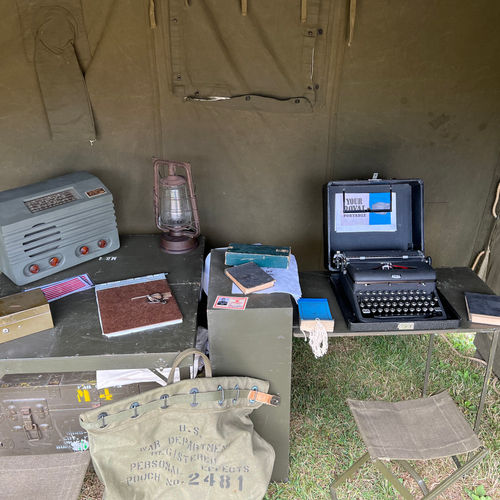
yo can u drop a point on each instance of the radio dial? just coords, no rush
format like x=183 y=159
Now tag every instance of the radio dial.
x=34 y=268
x=102 y=243
x=54 y=261
x=84 y=250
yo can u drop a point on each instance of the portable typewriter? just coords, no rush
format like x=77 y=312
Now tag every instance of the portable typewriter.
x=375 y=250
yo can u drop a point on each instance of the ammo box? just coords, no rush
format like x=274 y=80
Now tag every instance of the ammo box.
x=39 y=413
x=24 y=313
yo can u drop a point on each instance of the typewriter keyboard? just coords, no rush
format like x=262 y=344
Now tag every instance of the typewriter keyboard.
x=418 y=304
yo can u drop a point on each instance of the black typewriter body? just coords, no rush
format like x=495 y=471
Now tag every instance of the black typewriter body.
x=375 y=248
x=393 y=290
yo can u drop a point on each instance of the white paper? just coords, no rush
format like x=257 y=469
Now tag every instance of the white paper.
x=346 y=222
x=205 y=280
x=131 y=281
x=287 y=280
x=113 y=378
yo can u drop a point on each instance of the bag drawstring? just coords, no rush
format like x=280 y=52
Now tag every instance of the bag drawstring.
x=485 y=254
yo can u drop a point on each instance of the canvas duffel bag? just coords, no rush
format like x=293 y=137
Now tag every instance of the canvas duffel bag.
x=191 y=439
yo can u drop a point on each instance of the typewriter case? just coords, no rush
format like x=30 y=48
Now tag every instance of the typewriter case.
x=369 y=223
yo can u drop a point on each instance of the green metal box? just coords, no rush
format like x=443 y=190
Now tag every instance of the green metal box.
x=255 y=342
x=39 y=413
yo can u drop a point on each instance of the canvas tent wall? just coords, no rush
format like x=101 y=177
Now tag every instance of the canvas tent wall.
x=415 y=95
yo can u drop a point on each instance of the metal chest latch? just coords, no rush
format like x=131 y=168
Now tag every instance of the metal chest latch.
x=30 y=428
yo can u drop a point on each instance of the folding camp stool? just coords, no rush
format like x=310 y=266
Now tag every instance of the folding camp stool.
x=419 y=429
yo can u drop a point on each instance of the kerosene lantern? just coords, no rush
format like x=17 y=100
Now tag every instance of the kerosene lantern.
x=176 y=213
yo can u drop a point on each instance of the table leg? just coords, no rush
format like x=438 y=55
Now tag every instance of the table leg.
x=428 y=364
x=489 y=368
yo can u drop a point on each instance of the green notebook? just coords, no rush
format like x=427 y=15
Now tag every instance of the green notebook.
x=262 y=255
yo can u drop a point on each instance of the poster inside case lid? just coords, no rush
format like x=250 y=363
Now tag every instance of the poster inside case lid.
x=373 y=216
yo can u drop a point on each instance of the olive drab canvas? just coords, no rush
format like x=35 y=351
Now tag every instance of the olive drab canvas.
x=268 y=101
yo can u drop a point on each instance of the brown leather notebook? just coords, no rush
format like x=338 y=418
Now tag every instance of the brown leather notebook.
x=136 y=305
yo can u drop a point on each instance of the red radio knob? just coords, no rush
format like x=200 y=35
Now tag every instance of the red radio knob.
x=102 y=243
x=84 y=250
x=54 y=261
x=34 y=268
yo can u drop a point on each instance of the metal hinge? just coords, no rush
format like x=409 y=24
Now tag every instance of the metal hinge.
x=339 y=260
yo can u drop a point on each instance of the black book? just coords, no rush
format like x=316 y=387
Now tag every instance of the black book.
x=483 y=308
x=250 y=277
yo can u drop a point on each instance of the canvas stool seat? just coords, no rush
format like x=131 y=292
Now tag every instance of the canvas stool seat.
x=418 y=429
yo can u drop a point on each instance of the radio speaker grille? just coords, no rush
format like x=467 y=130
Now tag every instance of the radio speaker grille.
x=41 y=239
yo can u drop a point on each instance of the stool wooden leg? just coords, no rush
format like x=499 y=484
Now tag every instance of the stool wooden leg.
x=487 y=375
x=428 y=364
x=347 y=474
x=398 y=486
x=414 y=474
x=393 y=480
x=457 y=474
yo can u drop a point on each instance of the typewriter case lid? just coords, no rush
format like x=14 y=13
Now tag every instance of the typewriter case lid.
x=376 y=219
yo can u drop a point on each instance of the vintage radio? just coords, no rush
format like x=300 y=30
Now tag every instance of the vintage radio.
x=49 y=226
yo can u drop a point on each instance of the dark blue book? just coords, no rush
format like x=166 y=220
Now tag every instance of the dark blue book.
x=312 y=309
x=249 y=277
x=483 y=308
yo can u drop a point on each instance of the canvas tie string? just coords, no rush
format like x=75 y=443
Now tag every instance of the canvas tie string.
x=485 y=254
x=303 y=11
x=244 y=12
x=318 y=339
x=152 y=14
x=352 y=21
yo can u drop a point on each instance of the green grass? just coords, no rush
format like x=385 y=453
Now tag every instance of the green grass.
x=324 y=438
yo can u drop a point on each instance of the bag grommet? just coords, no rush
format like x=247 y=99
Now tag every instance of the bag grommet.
x=237 y=389
x=134 y=407
x=221 y=400
x=101 y=416
x=254 y=388
x=164 y=398
x=194 y=391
